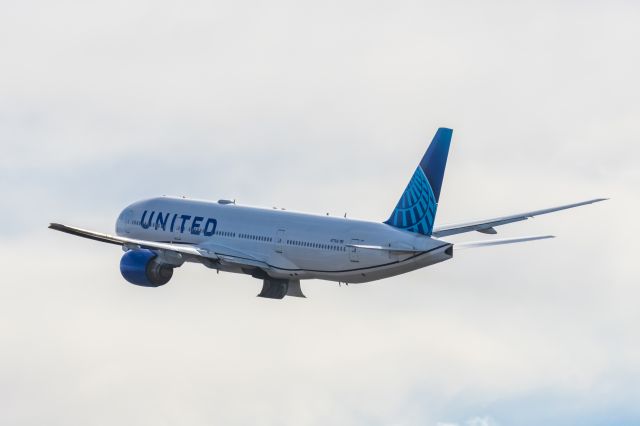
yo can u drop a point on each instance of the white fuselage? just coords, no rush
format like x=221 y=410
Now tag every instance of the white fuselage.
x=293 y=245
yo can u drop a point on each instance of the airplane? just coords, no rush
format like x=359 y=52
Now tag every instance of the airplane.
x=282 y=247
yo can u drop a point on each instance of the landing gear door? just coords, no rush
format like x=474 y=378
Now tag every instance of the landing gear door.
x=279 y=241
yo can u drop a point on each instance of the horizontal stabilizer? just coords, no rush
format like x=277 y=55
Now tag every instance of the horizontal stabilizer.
x=476 y=244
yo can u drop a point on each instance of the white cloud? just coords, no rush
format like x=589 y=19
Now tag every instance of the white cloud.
x=481 y=421
x=474 y=421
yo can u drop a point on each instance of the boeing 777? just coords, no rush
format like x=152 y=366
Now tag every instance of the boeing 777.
x=282 y=247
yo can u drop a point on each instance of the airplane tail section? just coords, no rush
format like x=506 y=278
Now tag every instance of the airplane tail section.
x=416 y=210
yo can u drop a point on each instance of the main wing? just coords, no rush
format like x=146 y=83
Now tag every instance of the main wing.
x=204 y=254
x=488 y=226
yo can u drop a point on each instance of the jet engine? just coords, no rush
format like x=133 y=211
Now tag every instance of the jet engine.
x=140 y=267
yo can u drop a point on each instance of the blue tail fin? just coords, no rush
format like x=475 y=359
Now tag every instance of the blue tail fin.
x=416 y=210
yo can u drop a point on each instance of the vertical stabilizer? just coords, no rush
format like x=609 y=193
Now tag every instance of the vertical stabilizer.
x=416 y=210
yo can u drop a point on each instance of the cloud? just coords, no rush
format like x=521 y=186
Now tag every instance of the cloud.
x=321 y=108
x=474 y=421
x=481 y=421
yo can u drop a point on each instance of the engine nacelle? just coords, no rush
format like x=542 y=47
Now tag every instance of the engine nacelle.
x=140 y=267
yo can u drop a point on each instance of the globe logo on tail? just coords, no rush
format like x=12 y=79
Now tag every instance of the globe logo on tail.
x=416 y=210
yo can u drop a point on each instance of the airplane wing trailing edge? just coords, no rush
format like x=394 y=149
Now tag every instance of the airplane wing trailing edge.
x=122 y=241
x=209 y=252
x=488 y=226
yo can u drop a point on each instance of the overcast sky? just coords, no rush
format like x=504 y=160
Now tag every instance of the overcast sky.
x=321 y=107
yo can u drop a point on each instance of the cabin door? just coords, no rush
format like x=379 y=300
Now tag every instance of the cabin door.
x=177 y=235
x=354 y=254
x=279 y=241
